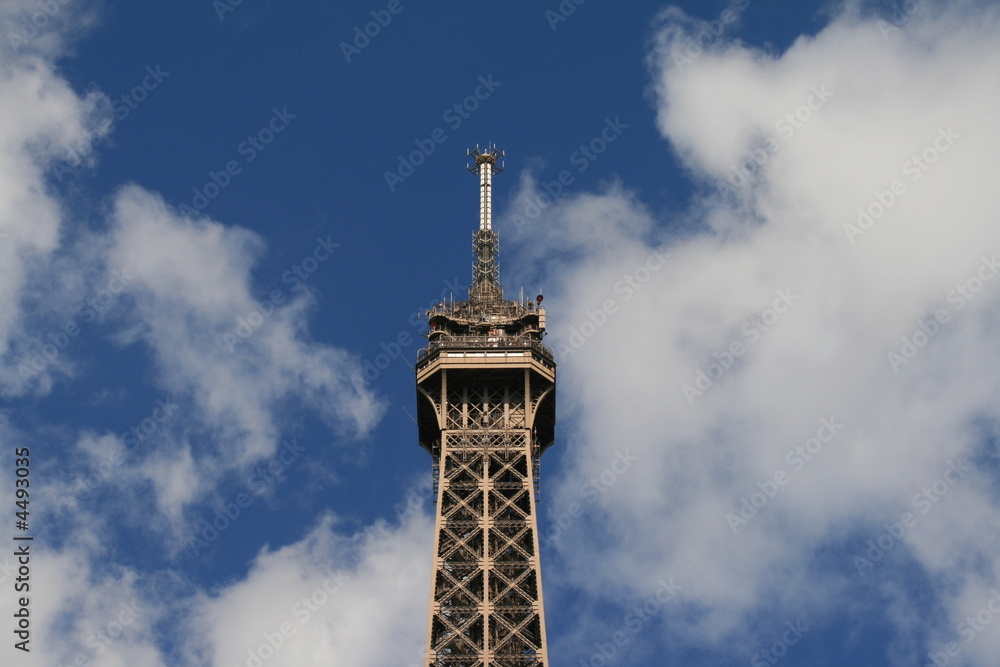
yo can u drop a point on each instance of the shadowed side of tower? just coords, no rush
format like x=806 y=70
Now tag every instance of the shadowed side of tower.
x=486 y=412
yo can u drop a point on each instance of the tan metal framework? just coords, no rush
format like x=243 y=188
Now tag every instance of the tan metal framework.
x=486 y=412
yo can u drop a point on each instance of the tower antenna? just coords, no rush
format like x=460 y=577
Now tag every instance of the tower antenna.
x=485 y=288
x=486 y=167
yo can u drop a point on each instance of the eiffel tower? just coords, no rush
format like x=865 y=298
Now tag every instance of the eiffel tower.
x=486 y=413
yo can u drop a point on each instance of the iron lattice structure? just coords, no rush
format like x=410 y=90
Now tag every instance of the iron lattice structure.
x=486 y=412
x=485 y=287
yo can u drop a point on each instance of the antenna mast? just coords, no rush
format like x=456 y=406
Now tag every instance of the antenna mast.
x=485 y=288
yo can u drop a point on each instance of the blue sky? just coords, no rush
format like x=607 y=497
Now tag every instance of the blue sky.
x=766 y=234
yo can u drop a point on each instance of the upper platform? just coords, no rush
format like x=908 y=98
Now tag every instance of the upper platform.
x=498 y=333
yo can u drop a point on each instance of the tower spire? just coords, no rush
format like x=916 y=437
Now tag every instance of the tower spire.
x=485 y=288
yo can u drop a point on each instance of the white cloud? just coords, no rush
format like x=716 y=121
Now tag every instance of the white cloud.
x=82 y=608
x=42 y=121
x=335 y=596
x=46 y=29
x=190 y=299
x=865 y=105
x=352 y=600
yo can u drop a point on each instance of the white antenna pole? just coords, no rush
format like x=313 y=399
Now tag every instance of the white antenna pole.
x=486 y=165
x=485 y=198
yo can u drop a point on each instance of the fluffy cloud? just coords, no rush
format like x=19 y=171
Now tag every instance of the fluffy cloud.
x=333 y=595
x=45 y=29
x=103 y=617
x=237 y=357
x=43 y=121
x=821 y=341
x=355 y=600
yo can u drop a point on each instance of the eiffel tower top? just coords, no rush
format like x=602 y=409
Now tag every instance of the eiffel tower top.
x=486 y=318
